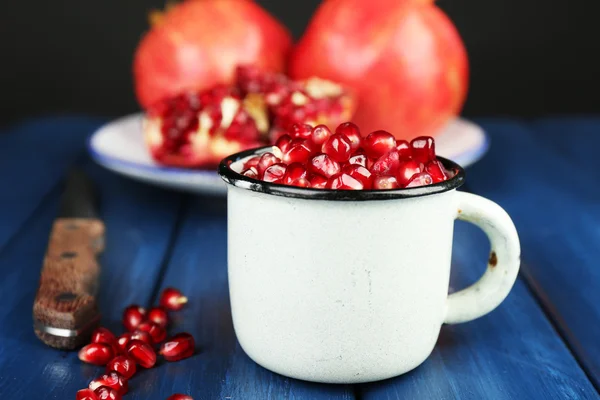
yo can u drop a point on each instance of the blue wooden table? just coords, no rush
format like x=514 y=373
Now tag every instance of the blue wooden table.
x=543 y=342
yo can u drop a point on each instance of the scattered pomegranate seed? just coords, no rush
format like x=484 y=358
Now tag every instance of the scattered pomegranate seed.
x=344 y=182
x=294 y=172
x=320 y=134
x=323 y=165
x=143 y=336
x=106 y=393
x=318 y=182
x=338 y=147
x=103 y=335
x=359 y=173
x=437 y=171
x=133 y=316
x=275 y=173
x=301 y=131
x=178 y=347
x=387 y=164
x=420 y=179
x=178 y=396
x=283 y=143
x=159 y=316
x=352 y=132
x=96 y=353
x=113 y=380
x=423 y=149
x=123 y=341
x=123 y=365
x=404 y=149
x=142 y=353
x=379 y=143
x=298 y=152
x=172 y=299
x=86 y=394
x=157 y=332
x=385 y=182
x=266 y=160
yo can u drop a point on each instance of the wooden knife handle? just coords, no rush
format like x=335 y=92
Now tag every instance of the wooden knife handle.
x=66 y=297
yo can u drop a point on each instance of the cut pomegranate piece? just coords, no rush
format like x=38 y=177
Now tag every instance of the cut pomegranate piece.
x=320 y=134
x=178 y=347
x=437 y=171
x=387 y=164
x=359 y=173
x=179 y=396
x=420 y=179
x=157 y=332
x=338 y=147
x=404 y=149
x=106 y=393
x=172 y=299
x=323 y=165
x=378 y=143
x=298 y=152
x=352 y=132
x=86 y=394
x=122 y=342
x=142 y=353
x=266 y=160
x=318 y=182
x=344 y=182
x=385 y=182
x=294 y=172
x=133 y=316
x=275 y=173
x=96 y=353
x=123 y=365
x=406 y=170
x=113 y=380
x=159 y=316
x=143 y=336
x=423 y=149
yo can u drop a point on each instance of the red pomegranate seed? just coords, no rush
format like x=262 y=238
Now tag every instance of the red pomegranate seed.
x=106 y=393
x=113 y=380
x=143 y=336
x=323 y=165
x=404 y=149
x=302 y=182
x=253 y=162
x=123 y=341
x=378 y=143
x=157 y=332
x=123 y=365
x=320 y=134
x=387 y=164
x=359 y=173
x=385 y=182
x=344 y=182
x=251 y=173
x=352 y=132
x=406 y=170
x=142 y=353
x=179 y=396
x=420 y=179
x=178 y=347
x=338 y=147
x=133 y=316
x=159 y=316
x=172 y=299
x=284 y=143
x=294 y=172
x=275 y=173
x=437 y=171
x=86 y=394
x=96 y=353
x=318 y=182
x=358 y=158
x=301 y=131
x=103 y=335
x=298 y=152
x=266 y=160
x=423 y=149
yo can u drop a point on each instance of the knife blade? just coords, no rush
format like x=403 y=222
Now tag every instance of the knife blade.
x=65 y=310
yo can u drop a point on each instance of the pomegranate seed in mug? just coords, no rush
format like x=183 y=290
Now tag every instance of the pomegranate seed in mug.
x=344 y=182
x=275 y=173
x=352 y=132
x=359 y=173
x=423 y=149
x=385 y=182
x=301 y=131
x=378 y=143
x=338 y=147
x=294 y=172
x=320 y=134
x=323 y=165
x=283 y=143
x=318 y=182
x=406 y=170
x=437 y=171
x=387 y=164
x=404 y=149
x=420 y=179
x=359 y=158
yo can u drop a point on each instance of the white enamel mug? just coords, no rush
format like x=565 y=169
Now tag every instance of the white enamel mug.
x=352 y=286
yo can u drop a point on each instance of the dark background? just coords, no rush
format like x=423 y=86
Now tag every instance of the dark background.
x=528 y=57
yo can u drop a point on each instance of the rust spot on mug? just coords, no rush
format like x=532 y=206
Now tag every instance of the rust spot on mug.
x=493 y=261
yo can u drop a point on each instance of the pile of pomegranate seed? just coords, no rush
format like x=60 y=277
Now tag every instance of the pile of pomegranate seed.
x=146 y=333
x=345 y=160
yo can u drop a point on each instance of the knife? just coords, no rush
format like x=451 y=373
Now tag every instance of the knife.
x=65 y=310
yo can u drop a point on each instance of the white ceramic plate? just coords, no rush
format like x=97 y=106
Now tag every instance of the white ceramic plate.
x=119 y=146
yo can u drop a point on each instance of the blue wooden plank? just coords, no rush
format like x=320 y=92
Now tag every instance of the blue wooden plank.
x=140 y=223
x=511 y=353
x=221 y=370
x=550 y=187
x=34 y=156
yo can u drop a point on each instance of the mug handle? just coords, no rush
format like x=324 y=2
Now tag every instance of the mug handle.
x=503 y=265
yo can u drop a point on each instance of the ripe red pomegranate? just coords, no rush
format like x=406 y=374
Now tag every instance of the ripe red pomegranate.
x=403 y=58
x=197 y=44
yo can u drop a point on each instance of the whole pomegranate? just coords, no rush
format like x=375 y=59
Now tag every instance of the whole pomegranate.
x=403 y=58
x=198 y=44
